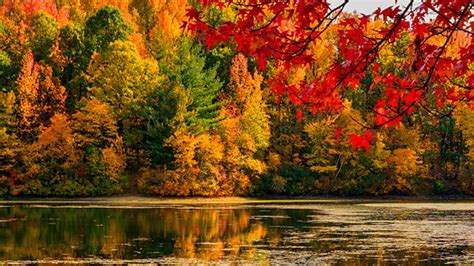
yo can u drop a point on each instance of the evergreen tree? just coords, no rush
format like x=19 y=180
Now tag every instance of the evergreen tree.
x=187 y=70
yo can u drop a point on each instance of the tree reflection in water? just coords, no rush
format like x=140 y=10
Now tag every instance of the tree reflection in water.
x=346 y=234
x=63 y=233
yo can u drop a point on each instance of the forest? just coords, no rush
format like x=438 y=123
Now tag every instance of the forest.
x=190 y=98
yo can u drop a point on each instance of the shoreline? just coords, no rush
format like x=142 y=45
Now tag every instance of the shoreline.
x=143 y=200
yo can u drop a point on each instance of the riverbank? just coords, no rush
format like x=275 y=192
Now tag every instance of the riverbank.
x=141 y=200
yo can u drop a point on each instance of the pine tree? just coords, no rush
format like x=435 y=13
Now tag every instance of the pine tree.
x=188 y=71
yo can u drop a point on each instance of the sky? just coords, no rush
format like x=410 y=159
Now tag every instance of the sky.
x=367 y=6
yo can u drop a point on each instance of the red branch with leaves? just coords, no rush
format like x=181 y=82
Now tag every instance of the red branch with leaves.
x=283 y=31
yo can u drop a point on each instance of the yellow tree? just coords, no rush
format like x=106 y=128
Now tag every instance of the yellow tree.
x=96 y=133
x=330 y=155
x=123 y=79
x=40 y=97
x=120 y=77
x=9 y=144
x=161 y=17
x=28 y=90
x=250 y=106
x=246 y=127
x=47 y=162
x=196 y=166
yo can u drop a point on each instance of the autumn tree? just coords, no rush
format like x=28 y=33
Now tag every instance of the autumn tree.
x=333 y=160
x=246 y=128
x=51 y=159
x=103 y=159
x=159 y=21
x=40 y=97
x=104 y=27
x=119 y=76
x=195 y=169
x=13 y=47
x=283 y=31
x=9 y=143
x=247 y=97
x=124 y=80
x=42 y=32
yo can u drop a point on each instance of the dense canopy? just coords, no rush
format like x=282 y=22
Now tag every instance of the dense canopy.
x=246 y=97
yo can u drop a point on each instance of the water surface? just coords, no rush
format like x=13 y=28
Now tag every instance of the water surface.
x=336 y=233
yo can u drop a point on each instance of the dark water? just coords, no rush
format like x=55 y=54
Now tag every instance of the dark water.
x=344 y=233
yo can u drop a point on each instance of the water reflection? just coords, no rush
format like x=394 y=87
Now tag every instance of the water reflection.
x=335 y=233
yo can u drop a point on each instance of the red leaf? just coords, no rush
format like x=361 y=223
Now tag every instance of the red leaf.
x=361 y=142
x=299 y=116
x=337 y=134
x=192 y=13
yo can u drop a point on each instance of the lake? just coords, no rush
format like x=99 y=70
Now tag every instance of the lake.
x=341 y=233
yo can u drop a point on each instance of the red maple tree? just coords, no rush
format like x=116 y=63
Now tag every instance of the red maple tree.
x=29 y=8
x=283 y=31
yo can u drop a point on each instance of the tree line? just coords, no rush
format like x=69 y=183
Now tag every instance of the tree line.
x=104 y=97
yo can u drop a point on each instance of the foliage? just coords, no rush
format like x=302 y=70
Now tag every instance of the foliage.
x=188 y=70
x=104 y=27
x=246 y=129
x=60 y=163
x=282 y=33
x=9 y=144
x=43 y=32
x=96 y=133
x=40 y=97
x=276 y=97
x=119 y=76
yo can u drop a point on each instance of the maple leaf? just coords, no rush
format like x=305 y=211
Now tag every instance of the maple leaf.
x=337 y=134
x=283 y=31
x=192 y=13
x=220 y=5
x=287 y=26
x=299 y=116
x=411 y=97
x=361 y=142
